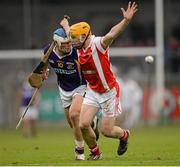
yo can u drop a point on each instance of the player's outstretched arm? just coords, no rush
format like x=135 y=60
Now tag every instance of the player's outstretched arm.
x=65 y=23
x=119 y=28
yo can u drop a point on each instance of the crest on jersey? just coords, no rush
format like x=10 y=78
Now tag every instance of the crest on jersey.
x=60 y=64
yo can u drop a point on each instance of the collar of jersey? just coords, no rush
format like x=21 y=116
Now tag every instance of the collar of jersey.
x=61 y=57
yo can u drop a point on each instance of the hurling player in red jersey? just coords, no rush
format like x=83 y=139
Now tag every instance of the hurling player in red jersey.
x=103 y=89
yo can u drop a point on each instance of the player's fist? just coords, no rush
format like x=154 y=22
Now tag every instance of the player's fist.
x=45 y=74
x=35 y=80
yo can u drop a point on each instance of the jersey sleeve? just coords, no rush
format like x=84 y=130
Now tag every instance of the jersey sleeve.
x=98 y=44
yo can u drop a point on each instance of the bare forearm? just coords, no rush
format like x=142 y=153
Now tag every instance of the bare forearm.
x=65 y=24
x=66 y=28
x=115 y=32
x=118 y=28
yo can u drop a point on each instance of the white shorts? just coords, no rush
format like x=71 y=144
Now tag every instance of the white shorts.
x=107 y=102
x=32 y=113
x=67 y=96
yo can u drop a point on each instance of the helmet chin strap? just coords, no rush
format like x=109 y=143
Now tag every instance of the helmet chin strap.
x=85 y=39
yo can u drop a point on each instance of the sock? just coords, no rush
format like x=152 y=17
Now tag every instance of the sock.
x=79 y=148
x=79 y=143
x=125 y=135
x=94 y=149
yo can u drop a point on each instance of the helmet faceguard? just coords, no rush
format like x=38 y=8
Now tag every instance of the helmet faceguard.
x=79 y=33
x=60 y=36
x=63 y=41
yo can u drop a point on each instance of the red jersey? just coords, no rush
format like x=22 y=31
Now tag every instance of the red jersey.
x=96 y=66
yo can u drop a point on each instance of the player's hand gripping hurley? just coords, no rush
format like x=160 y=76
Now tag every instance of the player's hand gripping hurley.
x=36 y=77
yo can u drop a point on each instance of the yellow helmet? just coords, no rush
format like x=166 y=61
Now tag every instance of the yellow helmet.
x=78 y=29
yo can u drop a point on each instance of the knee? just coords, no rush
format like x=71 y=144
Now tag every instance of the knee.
x=84 y=125
x=74 y=116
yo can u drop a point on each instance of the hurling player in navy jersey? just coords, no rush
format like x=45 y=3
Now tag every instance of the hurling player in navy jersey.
x=71 y=83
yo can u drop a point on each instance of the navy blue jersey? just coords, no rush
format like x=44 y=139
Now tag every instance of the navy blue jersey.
x=69 y=75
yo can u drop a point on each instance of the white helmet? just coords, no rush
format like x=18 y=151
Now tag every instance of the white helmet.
x=60 y=36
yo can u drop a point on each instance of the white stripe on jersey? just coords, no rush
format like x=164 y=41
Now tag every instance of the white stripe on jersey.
x=98 y=66
x=99 y=45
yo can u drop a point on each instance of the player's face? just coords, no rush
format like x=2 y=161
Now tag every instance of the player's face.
x=65 y=47
x=76 y=43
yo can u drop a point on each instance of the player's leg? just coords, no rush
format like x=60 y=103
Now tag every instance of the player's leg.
x=87 y=115
x=74 y=114
x=66 y=112
x=110 y=110
x=33 y=123
x=26 y=127
x=68 y=104
x=66 y=100
x=108 y=129
x=79 y=143
x=26 y=122
x=95 y=127
x=34 y=114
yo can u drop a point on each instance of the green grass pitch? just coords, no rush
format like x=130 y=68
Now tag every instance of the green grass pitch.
x=154 y=146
